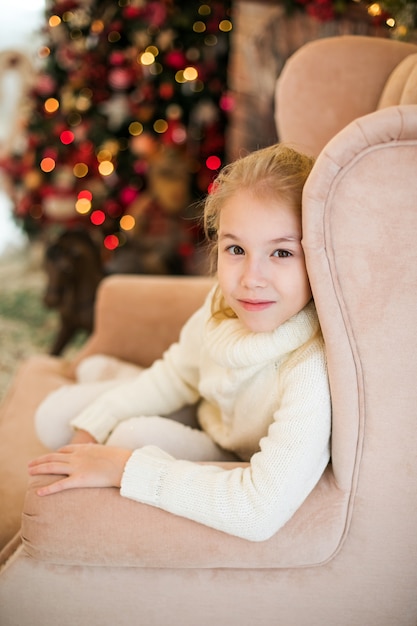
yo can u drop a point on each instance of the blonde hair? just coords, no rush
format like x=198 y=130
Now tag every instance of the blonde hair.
x=277 y=172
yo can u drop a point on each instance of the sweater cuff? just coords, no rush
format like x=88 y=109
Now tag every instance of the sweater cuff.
x=144 y=474
x=94 y=422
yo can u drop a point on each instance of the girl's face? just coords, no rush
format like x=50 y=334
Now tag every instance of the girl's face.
x=261 y=266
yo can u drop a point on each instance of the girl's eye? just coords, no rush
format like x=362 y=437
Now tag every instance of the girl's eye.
x=282 y=254
x=235 y=250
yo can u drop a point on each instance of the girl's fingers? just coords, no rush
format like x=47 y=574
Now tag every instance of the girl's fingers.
x=49 y=467
x=60 y=456
x=57 y=486
x=88 y=465
x=54 y=463
x=50 y=461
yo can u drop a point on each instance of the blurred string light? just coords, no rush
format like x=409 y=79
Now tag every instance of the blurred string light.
x=127 y=222
x=83 y=206
x=111 y=242
x=80 y=170
x=147 y=58
x=400 y=16
x=106 y=168
x=98 y=217
x=51 y=105
x=213 y=163
x=375 y=10
x=67 y=137
x=135 y=128
x=47 y=164
x=83 y=203
x=54 y=21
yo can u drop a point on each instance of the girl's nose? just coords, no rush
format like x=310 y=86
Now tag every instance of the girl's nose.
x=253 y=274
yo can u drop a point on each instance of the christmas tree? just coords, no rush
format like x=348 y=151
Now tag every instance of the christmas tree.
x=131 y=99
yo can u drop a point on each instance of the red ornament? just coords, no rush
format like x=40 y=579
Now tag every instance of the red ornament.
x=120 y=78
x=67 y=137
x=116 y=58
x=128 y=195
x=97 y=217
x=213 y=162
x=112 y=208
x=131 y=13
x=176 y=59
x=45 y=85
x=166 y=91
x=111 y=242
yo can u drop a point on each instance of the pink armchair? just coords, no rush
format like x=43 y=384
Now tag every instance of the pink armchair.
x=349 y=555
x=330 y=82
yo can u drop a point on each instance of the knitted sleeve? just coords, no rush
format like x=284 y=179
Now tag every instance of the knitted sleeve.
x=169 y=384
x=251 y=502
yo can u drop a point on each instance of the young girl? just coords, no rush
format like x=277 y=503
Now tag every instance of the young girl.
x=254 y=358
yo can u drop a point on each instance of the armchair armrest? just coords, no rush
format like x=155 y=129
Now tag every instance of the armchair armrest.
x=97 y=527
x=138 y=317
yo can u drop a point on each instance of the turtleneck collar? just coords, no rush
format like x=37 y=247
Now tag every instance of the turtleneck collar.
x=231 y=344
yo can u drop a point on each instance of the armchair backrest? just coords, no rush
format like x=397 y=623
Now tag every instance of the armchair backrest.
x=359 y=236
x=330 y=82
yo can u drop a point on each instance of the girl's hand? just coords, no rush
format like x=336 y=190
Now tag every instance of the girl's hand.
x=82 y=465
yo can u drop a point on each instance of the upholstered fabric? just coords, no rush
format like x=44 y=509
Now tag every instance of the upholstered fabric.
x=18 y=444
x=120 y=307
x=401 y=86
x=128 y=534
x=330 y=82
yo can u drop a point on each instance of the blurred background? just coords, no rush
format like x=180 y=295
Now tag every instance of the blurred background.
x=24 y=328
x=115 y=116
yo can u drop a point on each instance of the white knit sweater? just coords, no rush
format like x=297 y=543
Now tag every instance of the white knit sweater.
x=264 y=396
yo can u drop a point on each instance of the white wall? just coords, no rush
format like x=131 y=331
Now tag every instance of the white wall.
x=20 y=21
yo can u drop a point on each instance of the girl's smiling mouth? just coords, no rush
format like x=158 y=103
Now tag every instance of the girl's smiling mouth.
x=255 y=305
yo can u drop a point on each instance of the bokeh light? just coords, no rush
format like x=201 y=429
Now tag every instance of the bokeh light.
x=135 y=128
x=51 y=105
x=147 y=58
x=54 y=20
x=106 y=168
x=47 y=164
x=160 y=126
x=67 y=137
x=225 y=26
x=83 y=206
x=97 y=217
x=111 y=242
x=199 y=27
x=80 y=170
x=85 y=193
x=190 y=73
x=213 y=162
x=127 y=222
